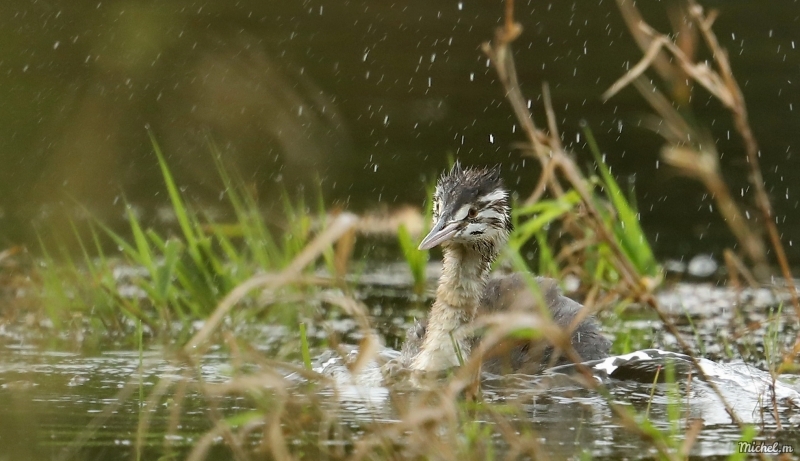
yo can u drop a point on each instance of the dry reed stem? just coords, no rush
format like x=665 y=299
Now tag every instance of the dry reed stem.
x=343 y=253
x=97 y=422
x=505 y=324
x=701 y=161
x=518 y=444
x=736 y=268
x=678 y=131
x=273 y=441
x=370 y=344
x=501 y=57
x=661 y=62
x=149 y=407
x=723 y=85
x=176 y=406
x=339 y=227
x=231 y=438
x=204 y=444
x=703 y=165
x=548 y=170
x=729 y=94
x=415 y=427
x=690 y=437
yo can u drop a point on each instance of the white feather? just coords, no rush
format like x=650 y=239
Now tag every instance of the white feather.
x=498 y=194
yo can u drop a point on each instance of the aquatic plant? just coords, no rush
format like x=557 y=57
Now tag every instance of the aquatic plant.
x=210 y=269
x=416 y=259
x=629 y=255
x=174 y=278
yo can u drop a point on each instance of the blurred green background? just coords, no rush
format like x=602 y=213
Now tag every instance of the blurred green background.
x=366 y=98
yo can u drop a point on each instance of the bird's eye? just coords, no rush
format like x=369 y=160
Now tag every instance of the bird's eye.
x=473 y=212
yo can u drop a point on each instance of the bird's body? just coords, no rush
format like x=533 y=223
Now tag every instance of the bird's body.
x=472 y=222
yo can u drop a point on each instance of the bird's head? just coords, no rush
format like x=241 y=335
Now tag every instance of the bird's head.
x=470 y=207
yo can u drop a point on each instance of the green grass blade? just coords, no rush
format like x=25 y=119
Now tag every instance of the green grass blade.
x=416 y=259
x=304 y=346
x=546 y=212
x=628 y=230
x=178 y=206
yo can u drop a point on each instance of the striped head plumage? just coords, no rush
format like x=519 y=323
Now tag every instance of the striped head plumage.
x=470 y=207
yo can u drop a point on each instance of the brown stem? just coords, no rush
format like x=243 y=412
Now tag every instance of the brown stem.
x=547 y=150
x=740 y=119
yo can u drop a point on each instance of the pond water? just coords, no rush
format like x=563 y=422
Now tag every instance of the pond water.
x=365 y=100
x=59 y=401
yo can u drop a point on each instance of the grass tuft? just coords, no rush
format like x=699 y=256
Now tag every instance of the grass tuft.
x=169 y=281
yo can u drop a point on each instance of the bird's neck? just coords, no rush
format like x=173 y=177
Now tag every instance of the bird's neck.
x=464 y=274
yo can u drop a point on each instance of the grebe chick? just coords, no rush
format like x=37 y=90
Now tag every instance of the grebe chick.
x=471 y=221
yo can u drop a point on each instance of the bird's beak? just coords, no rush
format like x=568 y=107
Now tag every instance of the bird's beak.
x=441 y=232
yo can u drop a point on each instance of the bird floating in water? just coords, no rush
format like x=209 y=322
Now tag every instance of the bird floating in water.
x=472 y=222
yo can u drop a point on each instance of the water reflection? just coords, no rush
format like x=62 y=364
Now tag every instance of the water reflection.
x=52 y=398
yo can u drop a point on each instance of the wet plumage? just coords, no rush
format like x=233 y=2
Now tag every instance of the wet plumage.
x=471 y=216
